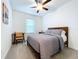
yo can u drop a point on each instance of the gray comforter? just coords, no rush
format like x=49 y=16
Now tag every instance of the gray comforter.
x=46 y=45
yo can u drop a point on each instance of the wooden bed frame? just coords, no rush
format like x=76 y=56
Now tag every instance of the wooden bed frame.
x=65 y=29
x=38 y=54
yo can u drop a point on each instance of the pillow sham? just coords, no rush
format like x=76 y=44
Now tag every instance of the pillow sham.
x=54 y=32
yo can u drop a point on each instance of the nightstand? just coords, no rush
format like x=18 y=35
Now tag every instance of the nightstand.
x=41 y=32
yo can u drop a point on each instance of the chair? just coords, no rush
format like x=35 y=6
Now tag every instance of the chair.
x=18 y=37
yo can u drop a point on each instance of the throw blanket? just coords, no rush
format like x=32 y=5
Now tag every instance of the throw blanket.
x=46 y=45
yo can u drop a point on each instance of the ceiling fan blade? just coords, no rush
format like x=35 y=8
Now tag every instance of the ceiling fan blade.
x=37 y=11
x=45 y=8
x=46 y=2
x=38 y=1
x=33 y=7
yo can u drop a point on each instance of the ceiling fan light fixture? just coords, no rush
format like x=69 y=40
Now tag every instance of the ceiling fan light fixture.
x=39 y=6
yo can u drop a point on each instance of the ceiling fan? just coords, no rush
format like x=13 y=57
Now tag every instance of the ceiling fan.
x=41 y=5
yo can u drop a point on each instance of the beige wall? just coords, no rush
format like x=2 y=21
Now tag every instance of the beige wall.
x=6 y=31
x=19 y=19
x=67 y=15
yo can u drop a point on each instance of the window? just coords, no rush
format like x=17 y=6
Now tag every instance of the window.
x=30 y=26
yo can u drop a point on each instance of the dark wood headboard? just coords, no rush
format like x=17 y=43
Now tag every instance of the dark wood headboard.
x=65 y=29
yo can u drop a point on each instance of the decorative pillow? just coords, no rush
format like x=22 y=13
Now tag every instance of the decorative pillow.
x=63 y=36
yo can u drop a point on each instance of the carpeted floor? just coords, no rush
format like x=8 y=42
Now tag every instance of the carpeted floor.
x=22 y=51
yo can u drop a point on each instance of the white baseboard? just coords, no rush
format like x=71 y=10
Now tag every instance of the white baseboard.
x=4 y=56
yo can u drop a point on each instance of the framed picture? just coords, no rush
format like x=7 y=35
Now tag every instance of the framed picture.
x=4 y=14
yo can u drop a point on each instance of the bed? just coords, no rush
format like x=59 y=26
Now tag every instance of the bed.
x=49 y=42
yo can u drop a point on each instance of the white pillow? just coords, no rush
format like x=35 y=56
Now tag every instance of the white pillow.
x=63 y=36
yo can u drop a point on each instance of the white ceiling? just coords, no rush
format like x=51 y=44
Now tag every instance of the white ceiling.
x=25 y=6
